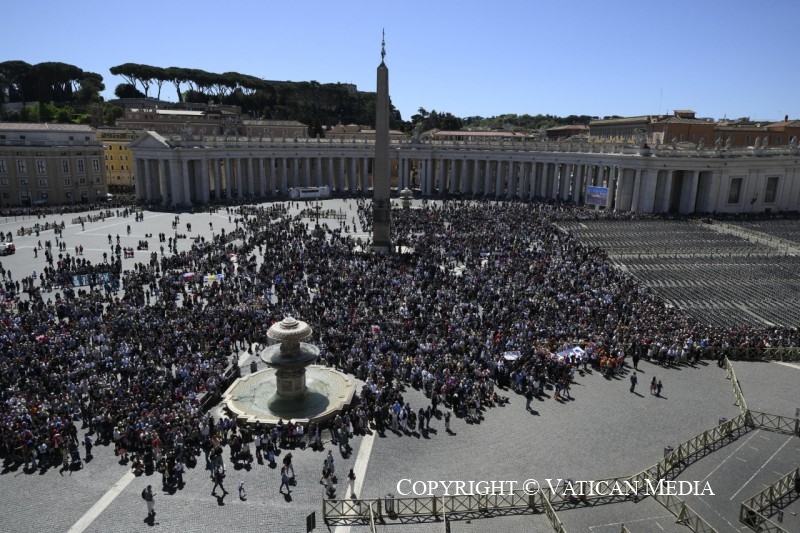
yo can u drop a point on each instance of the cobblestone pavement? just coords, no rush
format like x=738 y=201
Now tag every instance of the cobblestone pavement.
x=770 y=387
x=604 y=431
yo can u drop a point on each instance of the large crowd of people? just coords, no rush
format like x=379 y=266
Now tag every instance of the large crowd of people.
x=494 y=295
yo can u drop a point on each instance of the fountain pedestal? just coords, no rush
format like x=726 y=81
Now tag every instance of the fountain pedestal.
x=291 y=388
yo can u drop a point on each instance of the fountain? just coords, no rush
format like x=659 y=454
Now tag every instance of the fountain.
x=292 y=388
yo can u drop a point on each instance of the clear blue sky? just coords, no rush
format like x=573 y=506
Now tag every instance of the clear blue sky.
x=470 y=57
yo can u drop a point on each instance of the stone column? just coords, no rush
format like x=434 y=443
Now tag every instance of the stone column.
x=552 y=188
x=464 y=179
x=689 y=194
x=612 y=184
x=476 y=175
x=176 y=187
x=713 y=197
x=138 y=181
x=637 y=187
x=284 y=166
x=577 y=183
x=530 y=173
x=426 y=180
x=260 y=183
x=318 y=171
x=228 y=176
x=185 y=183
x=204 y=193
x=239 y=171
x=648 y=191
x=341 y=178
x=148 y=182
x=250 y=179
x=306 y=172
x=511 y=180
x=487 y=177
x=666 y=192
x=162 y=182
x=365 y=174
x=295 y=177
x=351 y=178
x=451 y=178
x=563 y=185
x=618 y=193
x=291 y=170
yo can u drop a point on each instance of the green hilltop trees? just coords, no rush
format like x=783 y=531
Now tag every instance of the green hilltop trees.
x=316 y=104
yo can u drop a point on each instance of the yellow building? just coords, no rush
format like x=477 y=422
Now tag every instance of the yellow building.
x=118 y=159
x=50 y=164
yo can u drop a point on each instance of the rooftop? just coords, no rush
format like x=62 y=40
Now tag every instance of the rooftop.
x=44 y=126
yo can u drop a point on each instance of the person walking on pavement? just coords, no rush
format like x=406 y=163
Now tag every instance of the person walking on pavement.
x=658 y=388
x=285 y=480
x=634 y=381
x=147 y=495
x=351 y=483
x=219 y=476
x=330 y=462
x=653 y=386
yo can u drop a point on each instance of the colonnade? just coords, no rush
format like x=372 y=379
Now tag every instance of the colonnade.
x=200 y=180
x=182 y=176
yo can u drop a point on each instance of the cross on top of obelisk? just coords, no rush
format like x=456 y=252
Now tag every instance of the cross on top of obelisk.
x=383 y=44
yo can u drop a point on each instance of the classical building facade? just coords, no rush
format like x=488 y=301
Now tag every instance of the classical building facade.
x=118 y=159
x=50 y=164
x=205 y=120
x=682 y=126
x=186 y=170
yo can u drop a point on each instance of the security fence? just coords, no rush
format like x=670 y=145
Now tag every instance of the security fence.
x=775 y=423
x=445 y=508
x=777 y=353
x=737 y=389
x=751 y=512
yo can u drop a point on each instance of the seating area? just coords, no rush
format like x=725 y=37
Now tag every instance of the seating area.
x=788 y=230
x=691 y=267
x=622 y=238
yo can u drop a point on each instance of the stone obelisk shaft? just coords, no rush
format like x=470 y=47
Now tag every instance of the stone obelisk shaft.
x=381 y=204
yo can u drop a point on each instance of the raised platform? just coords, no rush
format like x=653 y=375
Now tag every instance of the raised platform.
x=250 y=398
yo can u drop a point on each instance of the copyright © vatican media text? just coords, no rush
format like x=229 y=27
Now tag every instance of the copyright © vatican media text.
x=565 y=487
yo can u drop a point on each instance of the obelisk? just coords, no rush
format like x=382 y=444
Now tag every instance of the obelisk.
x=381 y=204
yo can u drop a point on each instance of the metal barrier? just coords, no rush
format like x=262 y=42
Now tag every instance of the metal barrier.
x=737 y=389
x=685 y=515
x=370 y=511
x=751 y=511
x=555 y=523
x=758 y=522
x=775 y=423
x=696 y=447
x=546 y=501
x=344 y=512
x=776 y=353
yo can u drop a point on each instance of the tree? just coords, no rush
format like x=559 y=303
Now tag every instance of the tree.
x=111 y=113
x=15 y=81
x=177 y=75
x=91 y=85
x=135 y=73
x=126 y=90
x=55 y=80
